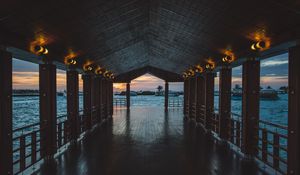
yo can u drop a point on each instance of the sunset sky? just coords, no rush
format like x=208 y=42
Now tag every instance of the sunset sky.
x=274 y=72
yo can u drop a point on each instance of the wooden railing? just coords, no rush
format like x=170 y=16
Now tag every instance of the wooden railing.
x=236 y=129
x=175 y=102
x=27 y=142
x=119 y=102
x=272 y=147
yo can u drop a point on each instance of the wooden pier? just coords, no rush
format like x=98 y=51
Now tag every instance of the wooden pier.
x=110 y=42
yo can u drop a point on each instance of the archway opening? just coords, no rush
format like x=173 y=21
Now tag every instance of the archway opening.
x=148 y=90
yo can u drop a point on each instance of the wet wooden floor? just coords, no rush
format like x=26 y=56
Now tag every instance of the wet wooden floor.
x=147 y=141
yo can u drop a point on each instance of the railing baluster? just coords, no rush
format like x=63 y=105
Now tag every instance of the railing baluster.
x=65 y=130
x=22 y=153
x=276 y=151
x=33 y=147
x=264 y=153
x=232 y=131
x=238 y=134
x=59 y=137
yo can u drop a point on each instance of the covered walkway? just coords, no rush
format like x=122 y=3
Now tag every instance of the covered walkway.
x=149 y=141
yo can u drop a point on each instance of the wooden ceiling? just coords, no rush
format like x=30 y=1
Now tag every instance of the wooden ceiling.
x=126 y=35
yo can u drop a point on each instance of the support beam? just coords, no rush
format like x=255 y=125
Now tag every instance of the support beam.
x=93 y=100
x=111 y=98
x=100 y=98
x=128 y=95
x=192 y=97
x=185 y=96
x=200 y=98
x=87 y=106
x=250 y=107
x=166 y=96
x=209 y=99
x=293 y=112
x=104 y=98
x=225 y=102
x=73 y=103
x=47 y=73
x=6 y=156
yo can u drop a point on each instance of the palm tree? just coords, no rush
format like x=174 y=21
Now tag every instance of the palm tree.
x=159 y=88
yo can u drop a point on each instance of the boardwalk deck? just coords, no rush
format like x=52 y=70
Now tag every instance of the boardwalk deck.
x=148 y=141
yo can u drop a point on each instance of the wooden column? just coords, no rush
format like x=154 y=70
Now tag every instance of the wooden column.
x=47 y=81
x=6 y=156
x=209 y=99
x=128 y=95
x=108 y=98
x=185 y=90
x=166 y=96
x=73 y=103
x=200 y=98
x=87 y=106
x=225 y=102
x=187 y=97
x=100 y=98
x=192 y=97
x=104 y=98
x=93 y=100
x=250 y=106
x=111 y=98
x=294 y=112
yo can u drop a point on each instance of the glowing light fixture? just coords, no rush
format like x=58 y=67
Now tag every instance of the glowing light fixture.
x=199 y=69
x=227 y=59
x=71 y=62
x=98 y=70
x=184 y=75
x=191 y=72
x=260 y=45
x=41 y=50
x=210 y=64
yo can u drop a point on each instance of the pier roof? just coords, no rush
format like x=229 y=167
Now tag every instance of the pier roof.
x=127 y=35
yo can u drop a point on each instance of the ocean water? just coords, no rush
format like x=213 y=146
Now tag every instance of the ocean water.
x=26 y=109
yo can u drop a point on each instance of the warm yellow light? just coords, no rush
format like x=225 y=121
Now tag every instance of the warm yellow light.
x=227 y=59
x=260 y=45
x=40 y=50
x=210 y=64
x=199 y=69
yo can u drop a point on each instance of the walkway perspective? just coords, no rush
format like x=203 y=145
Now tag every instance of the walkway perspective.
x=148 y=141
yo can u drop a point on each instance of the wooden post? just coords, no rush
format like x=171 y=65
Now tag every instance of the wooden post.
x=294 y=111
x=105 y=98
x=209 y=99
x=87 y=99
x=200 y=98
x=185 y=92
x=111 y=98
x=250 y=107
x=6 y=156
x=47 y=81
x=93 y=100
x=100 y=98
x=225 y=102
x=73 y=103
x=128 y=95
x=166 y=96
x=108 y=107
x=192 y=97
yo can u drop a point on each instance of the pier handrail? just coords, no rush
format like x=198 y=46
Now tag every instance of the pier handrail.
x=272 y=137
x=27 y=139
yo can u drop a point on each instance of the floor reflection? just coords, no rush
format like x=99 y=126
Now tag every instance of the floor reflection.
x=152 y=142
